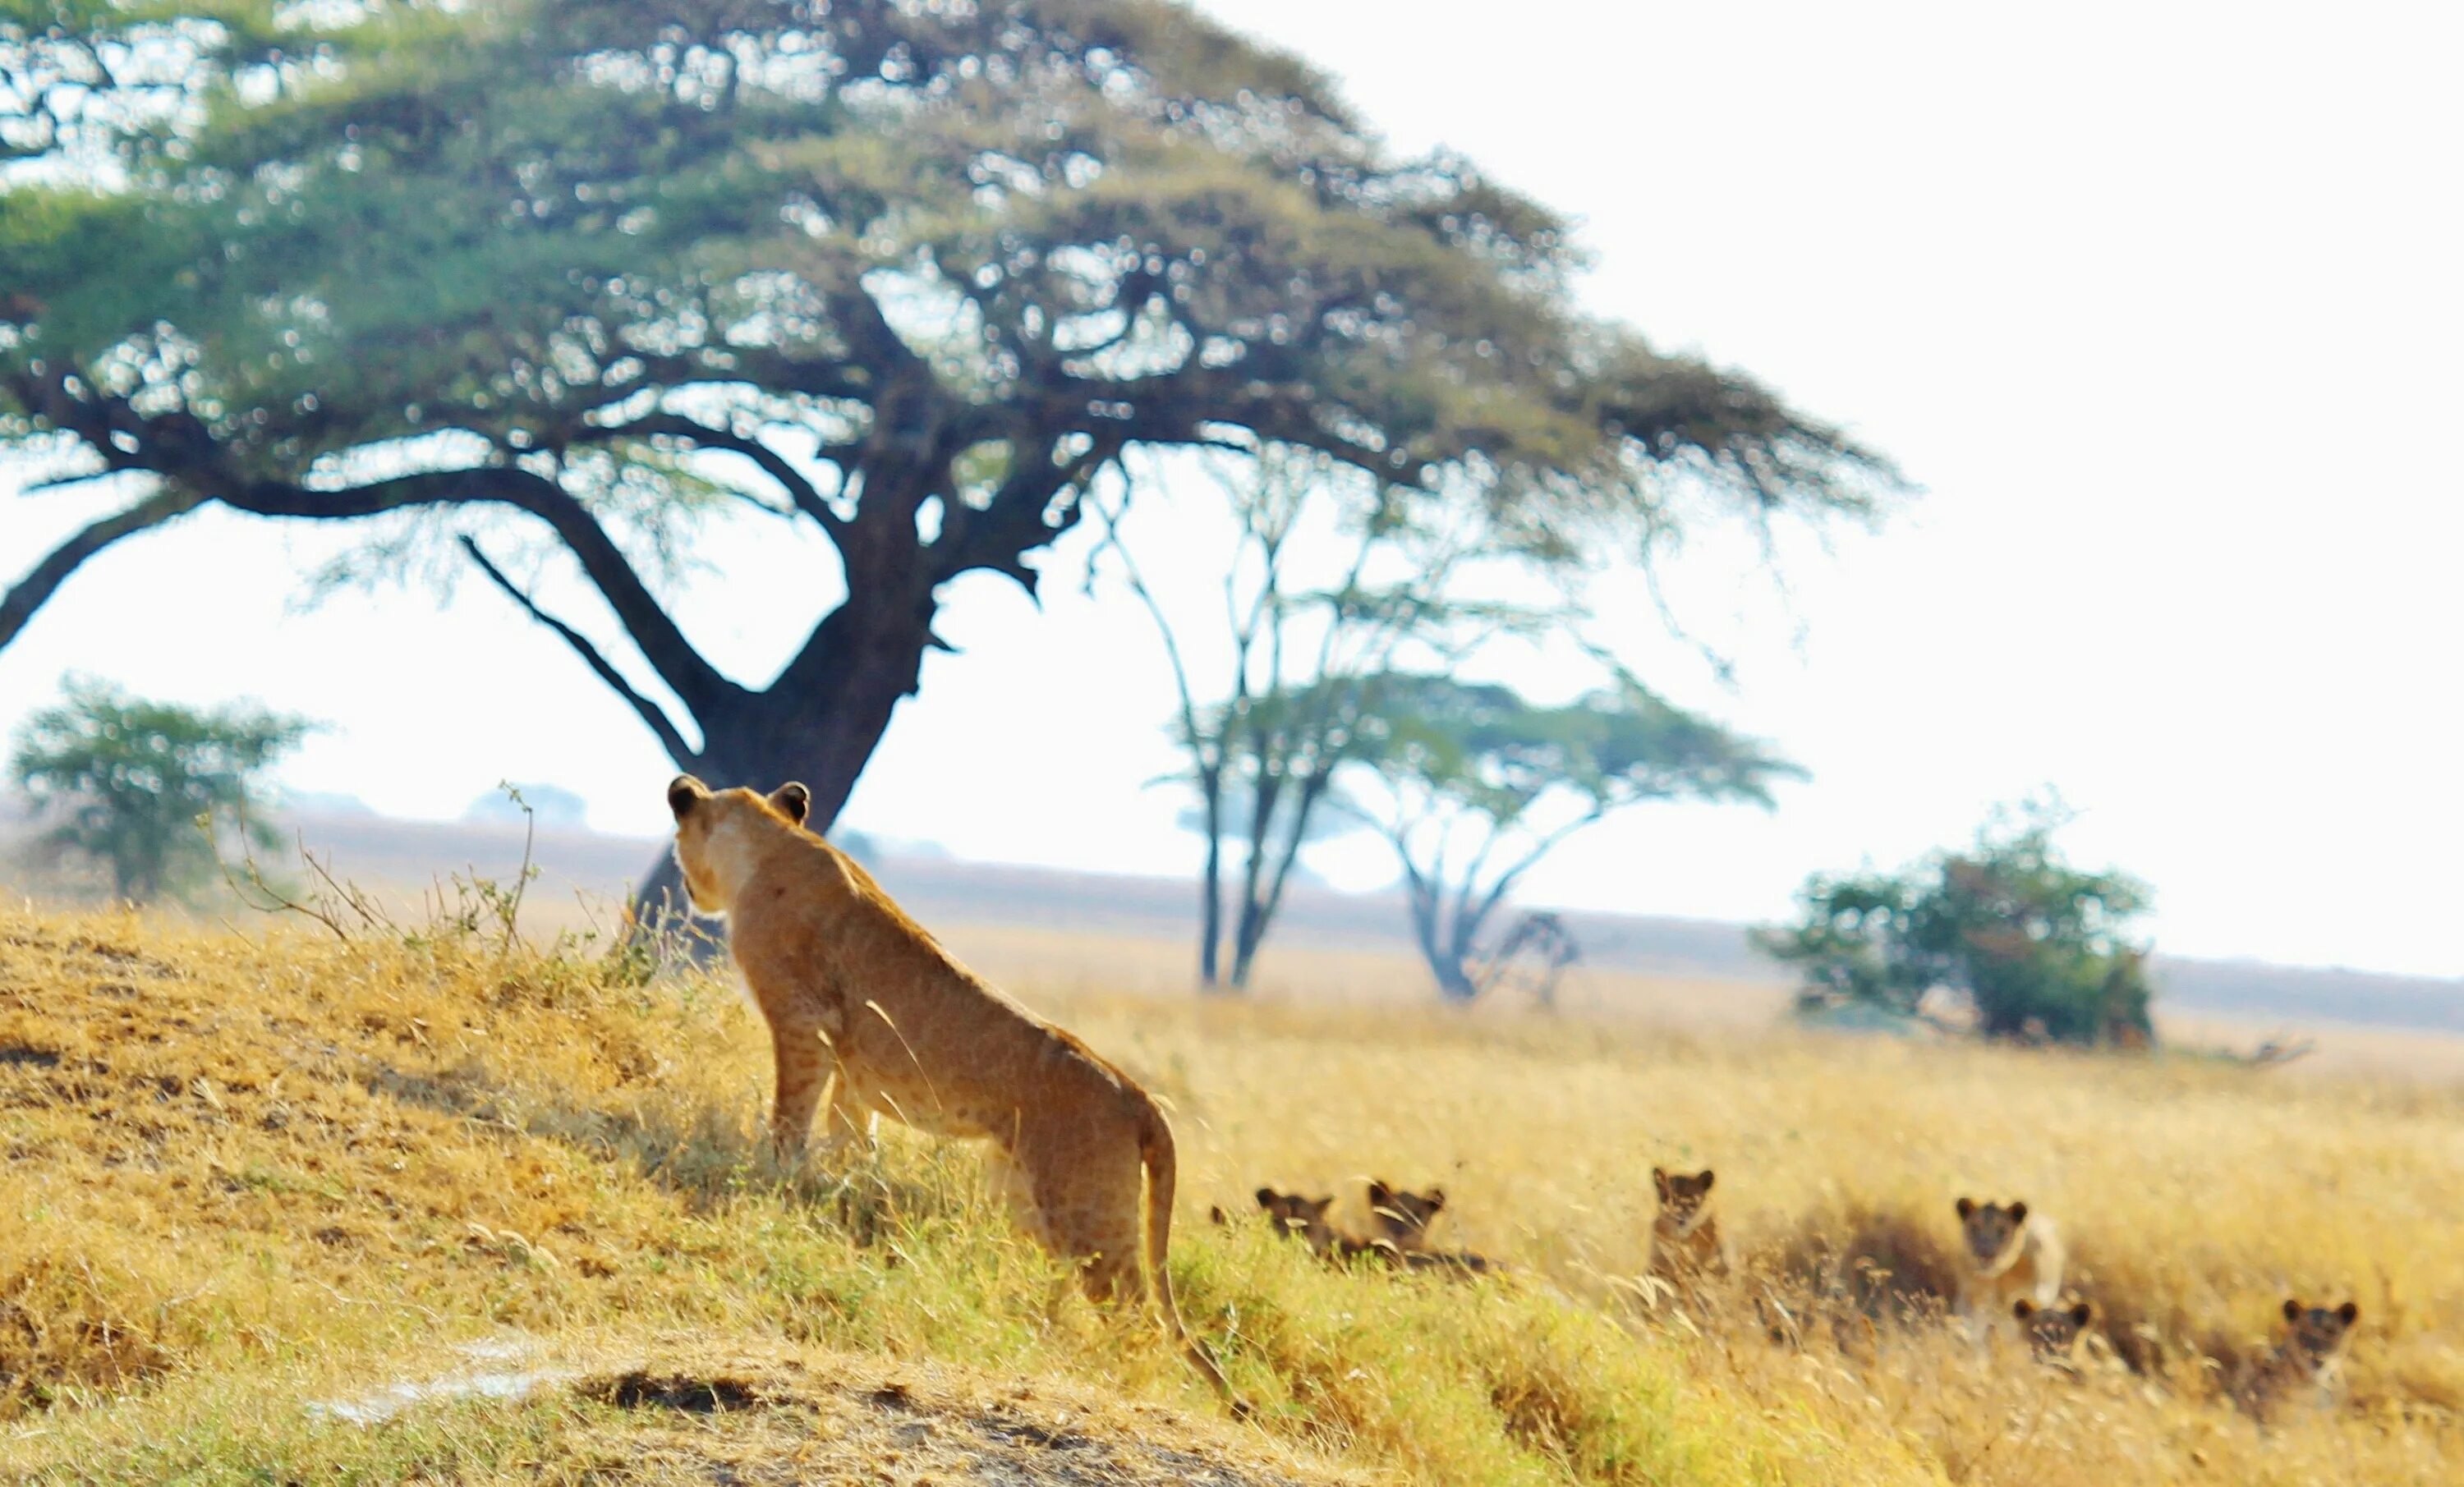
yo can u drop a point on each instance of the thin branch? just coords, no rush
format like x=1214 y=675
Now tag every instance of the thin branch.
x=807 y=496
x=652 y=716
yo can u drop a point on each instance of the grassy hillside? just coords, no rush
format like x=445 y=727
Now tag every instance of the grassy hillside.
x=282 y=1207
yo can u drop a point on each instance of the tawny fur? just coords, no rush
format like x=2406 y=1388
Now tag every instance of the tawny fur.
x=1402 y=1220
x=2053 y=1333
x=2307 y=1360
x=1685 y=1243
x=871 y=1016
x=2007 y=1253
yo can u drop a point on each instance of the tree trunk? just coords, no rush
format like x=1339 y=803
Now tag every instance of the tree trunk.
x=817 y=724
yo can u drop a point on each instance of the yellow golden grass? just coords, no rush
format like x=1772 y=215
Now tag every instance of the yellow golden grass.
x=243 y=1173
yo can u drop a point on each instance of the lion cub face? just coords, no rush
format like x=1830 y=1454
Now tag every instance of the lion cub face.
x=1992 y=1231
x=712 y=827
x=1402 y=1217
x=2053 y=1333
x=1684 y=1200
x=2317 y=1336
x=1299 y=1217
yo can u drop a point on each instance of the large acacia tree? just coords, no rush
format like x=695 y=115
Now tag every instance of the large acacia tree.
x=582 y=272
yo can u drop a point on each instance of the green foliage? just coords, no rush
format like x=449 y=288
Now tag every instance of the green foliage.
x=2037 y=947
x=131 y=783
x=589 y=273
x=1480 y=784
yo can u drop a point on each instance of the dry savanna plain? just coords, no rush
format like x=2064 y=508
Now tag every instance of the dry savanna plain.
x=442 y=1204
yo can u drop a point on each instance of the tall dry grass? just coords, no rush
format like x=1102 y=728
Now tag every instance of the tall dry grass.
x=240 y=1167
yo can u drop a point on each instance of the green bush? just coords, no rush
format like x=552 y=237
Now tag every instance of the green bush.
x=2035 y=946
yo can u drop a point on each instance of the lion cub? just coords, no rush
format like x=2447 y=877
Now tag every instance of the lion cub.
x=866 y=1008
x=2311 y=1355
x=2053 y=1333
x=1305 y=1219
x=2010 y=1254
x=1685 y=1244
x=1403 y=1220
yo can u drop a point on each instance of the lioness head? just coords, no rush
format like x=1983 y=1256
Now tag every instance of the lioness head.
x=1302 y=1218
x=1685 y=1199
x=2053 y=1333
x=1991 y=1231
x=1403 y=1218
x=713 y=833
x=2319 y=1334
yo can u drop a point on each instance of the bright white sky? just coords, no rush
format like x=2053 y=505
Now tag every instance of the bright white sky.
x=2157 y=303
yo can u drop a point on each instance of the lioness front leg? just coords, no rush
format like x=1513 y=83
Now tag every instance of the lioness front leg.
x=846 y=1119
x=804 y=1067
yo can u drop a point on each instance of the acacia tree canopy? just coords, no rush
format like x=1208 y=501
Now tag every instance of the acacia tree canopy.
x=587 y=273
x=1479 y=784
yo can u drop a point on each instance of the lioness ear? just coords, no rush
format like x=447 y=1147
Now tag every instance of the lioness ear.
x=1966 y=1206
x=793 y=802
x=2021 y=1309
x=2293 y=1309
x=2018 y=1212
x=684 y=792
x=2083 y=1314
x=2348 y=1311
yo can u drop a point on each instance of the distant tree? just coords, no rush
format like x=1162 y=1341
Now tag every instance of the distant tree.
x=1329 y=579
x=547 y=805
x=1477 y=785
x=125 y=782
x=571 y=279
x=2038 y=948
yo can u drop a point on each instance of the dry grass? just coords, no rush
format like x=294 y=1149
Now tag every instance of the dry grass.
x=242 y=1173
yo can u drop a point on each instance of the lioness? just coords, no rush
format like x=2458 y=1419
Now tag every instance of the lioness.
x=1305 y=1219
x=863 y=1002
x=2010 y=1253
x=2053 y=1333
x=2311 y=1354
x=1685 y=1244
x=1403 y=1220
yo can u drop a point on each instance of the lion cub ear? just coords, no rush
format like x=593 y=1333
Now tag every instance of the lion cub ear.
x=2349 y=1311
x=2018 y=1212
x=2023 y=1308
x=1267 y=1197
x=793 y=802
x=1436 y=1200
x=2084 y=1313
x=1966 y=1206
x=1707 y=1176
x=684 y=792
x=2293 y=1309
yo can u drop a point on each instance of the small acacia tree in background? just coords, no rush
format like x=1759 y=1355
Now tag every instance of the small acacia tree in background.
x=125 y=782
x=1331 y=579
x=1476 y=785
x=2037 y=948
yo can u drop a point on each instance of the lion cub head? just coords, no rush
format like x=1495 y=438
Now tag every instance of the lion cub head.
x=2315 y=1337
x=1403 y=1217
x=1992 y=1231
x=715 y=831
x=1299 y=1217
x=2054 y=1334
x=1684 y=1200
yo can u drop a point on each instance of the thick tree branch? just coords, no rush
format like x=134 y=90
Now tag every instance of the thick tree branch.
x=652 y=716
x=36 y=588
